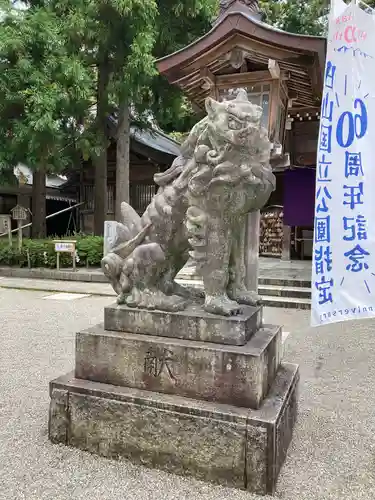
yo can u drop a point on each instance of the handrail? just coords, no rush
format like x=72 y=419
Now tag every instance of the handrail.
x=47 y=217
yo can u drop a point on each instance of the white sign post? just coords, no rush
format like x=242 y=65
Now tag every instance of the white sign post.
x=6 y=226
x=19 y=214
x=110 y=235
x=343 y=276
x=67 y=246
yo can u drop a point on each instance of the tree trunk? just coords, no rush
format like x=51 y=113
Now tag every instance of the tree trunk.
x=100 y=192
x=122 y=159
x=39 y=227
x=100 y=160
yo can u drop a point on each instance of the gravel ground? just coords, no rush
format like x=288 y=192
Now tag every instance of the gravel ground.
x=333 y=450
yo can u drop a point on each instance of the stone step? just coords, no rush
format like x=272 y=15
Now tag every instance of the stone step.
x=194 y=280
x=274 y=295
x=290 y=282
x=286 y=302
x=284 y=291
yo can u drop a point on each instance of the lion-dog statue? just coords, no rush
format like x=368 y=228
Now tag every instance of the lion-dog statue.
x=200 y=209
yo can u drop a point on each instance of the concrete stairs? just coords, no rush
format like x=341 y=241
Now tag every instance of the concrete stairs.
x=288 y=293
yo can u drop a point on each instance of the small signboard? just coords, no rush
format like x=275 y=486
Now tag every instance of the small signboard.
x=67 y=246
x=19 y=213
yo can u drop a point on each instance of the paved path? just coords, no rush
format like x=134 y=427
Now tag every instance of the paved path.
x=333 y=452
x=268 y=268
x=93 y=282
x=103 y=289
x=276 y=268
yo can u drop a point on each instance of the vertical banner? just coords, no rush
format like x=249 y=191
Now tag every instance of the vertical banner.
x=343 y=274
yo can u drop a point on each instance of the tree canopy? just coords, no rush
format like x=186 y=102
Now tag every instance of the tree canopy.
x=43 y=91
x=299 y=16
x=67 y=65
x=296 y=16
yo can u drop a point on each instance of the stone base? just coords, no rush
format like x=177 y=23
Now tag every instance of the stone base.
x=213 y=442
x=235 y=375
x=191 y=324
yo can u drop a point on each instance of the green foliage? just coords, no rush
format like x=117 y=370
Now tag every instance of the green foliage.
x=43 y=90
x=52 y=54
x=7 y=177
x=179 y=23
x=175 y=113
x=65 y=65
x=296 y=16
x=178 y=136
x=41 y=253
x=299 y=16
x=90 y=250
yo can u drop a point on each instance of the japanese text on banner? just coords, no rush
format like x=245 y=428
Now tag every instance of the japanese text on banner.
x=343 y=275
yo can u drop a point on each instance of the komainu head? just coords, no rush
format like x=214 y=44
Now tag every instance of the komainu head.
x=237 y=122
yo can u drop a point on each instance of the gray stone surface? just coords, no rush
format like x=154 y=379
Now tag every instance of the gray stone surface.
x=192 y=324
x=270 y=431
x=219 y=443
x=234 y=375
x=222 y=174
x=295 y=272
x=58 y=420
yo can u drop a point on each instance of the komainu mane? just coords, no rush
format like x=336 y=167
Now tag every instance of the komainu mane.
x=200 y=209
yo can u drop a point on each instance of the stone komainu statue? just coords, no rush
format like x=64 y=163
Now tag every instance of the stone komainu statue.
x=200 y=209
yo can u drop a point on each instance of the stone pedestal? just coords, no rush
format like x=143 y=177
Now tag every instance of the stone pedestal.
x=187 y=399
x=191 y=324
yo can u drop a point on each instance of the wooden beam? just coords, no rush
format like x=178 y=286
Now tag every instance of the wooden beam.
x=242 y=78
x=316 y=79
x=218 y=51
x=208 y=77
x=274 y=69
x=274 y=109
x=307 y=109
x=303 y=93
x=199 y=94
x=250 y=77
x=292 y=96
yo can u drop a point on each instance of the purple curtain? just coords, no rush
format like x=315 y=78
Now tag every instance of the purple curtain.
x=299 y=197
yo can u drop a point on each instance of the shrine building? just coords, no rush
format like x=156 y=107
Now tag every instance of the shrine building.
x=283 y=73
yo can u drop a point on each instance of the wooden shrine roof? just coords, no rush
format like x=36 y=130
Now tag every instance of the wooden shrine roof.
x=301 y=58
